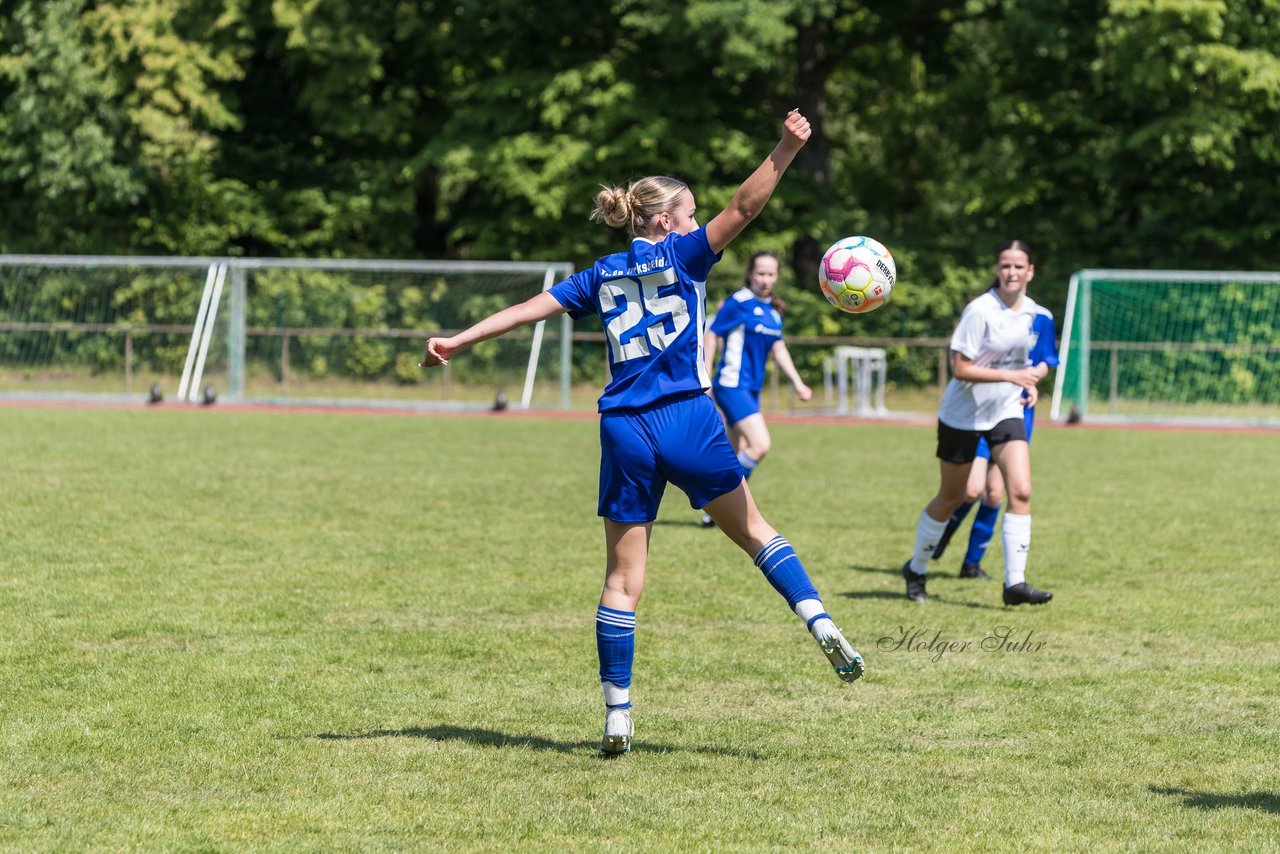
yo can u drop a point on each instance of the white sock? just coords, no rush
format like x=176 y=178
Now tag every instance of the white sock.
x=822 y=628
x=807 y=609
x=1015 y=532
x=615 y=696
x=928 y=532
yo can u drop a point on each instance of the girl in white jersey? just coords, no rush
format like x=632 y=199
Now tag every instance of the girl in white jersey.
x=985 y=400
x=657 y=424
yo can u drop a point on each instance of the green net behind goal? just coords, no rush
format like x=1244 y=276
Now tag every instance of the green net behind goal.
x=1171 y=346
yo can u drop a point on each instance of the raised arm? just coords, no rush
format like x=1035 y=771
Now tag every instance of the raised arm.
x=750 y=198
x=440 y=350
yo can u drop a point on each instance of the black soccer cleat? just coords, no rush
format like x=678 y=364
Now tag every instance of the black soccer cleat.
x=953 y=525
x=1023 y=593
x=974 y=570
x=915 y=583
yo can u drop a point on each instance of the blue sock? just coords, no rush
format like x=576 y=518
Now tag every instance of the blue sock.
x=616 y=646
x=778 y=561
x=984 y=528
x=961 y=511
x=747 y=463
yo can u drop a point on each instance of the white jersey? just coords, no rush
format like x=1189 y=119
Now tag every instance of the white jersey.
x=993 y=336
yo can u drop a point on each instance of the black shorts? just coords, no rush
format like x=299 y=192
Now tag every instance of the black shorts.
x=961 y=446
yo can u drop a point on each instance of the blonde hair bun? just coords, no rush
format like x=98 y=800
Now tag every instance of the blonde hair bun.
x=637 y=204
x=613 y=207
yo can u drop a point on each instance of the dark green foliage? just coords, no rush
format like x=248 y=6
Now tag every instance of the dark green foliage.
x=1141 y=133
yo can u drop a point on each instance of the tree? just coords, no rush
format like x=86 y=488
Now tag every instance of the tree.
x=65 y=168
x=1105 y=132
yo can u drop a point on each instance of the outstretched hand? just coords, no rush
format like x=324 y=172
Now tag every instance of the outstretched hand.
x=437 y=353
x=796 y=130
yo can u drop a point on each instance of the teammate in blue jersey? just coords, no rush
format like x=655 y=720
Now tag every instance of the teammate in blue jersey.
x=991 y=386
x=985 y=481
x=657 y=424
x=749 y=323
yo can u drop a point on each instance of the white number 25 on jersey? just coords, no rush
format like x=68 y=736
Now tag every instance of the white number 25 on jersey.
x=641 y=295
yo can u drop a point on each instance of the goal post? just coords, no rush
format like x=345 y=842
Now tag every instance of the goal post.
x=350 y=332
x=282 y=331
x=1170 y=346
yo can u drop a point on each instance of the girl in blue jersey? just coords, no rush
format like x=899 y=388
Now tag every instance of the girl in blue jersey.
x=985 y=400
x=657 y=424
x=750 y=325
x=985 y=481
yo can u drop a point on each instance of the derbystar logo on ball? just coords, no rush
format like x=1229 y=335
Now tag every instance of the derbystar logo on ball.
x=857 y=274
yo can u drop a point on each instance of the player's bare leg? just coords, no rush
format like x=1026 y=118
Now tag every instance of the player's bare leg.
x=991 y=497
x=952 y=484
x=972 y=492
x=1014 y=460
x=737 y=515
x=750 y=435
x=627 y=550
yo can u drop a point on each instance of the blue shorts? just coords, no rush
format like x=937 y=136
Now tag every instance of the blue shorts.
x=736 y=403
x=1028 y=418
x=681 y=441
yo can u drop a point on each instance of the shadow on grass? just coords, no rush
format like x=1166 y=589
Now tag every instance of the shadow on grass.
x=933 y=598
x=870 y=594
x=1263 y=801
x=978 y=605
x=494 y=738
x=880 y=570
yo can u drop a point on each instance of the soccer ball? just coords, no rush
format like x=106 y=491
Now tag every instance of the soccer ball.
x=857 y=274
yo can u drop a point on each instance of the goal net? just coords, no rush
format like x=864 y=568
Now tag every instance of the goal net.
x=274 y=331
x=1161 y=345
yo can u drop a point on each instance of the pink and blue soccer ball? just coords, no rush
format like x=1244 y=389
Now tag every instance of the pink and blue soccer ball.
x=857 y=274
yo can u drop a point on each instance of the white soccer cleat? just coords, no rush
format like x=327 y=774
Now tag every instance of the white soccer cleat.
x=617 y=732
x=843 y=657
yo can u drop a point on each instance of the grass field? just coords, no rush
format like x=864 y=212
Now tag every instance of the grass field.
x=236 y=630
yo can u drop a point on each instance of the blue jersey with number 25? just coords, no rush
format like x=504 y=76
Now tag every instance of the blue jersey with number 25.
x=651 y=299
